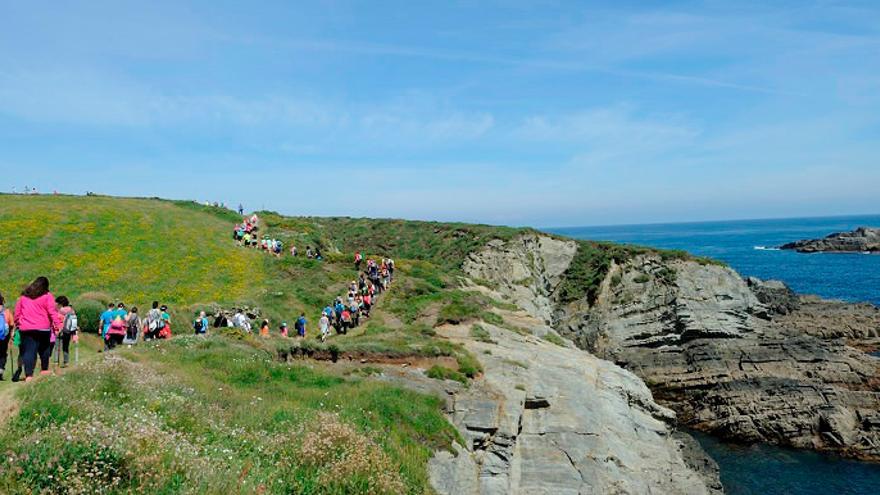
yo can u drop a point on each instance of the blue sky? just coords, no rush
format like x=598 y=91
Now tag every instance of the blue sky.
x=516 y=112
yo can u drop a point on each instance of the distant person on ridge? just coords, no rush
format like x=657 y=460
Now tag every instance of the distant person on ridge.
x=240 y=209
x=36 y=317
x=7 y=328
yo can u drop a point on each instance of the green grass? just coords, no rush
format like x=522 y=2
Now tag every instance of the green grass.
x=554 y=339
x=441 y=373
x=133 y=250
x=481 y=334
x=225 y=414
x=592 y=261
x=215 y=415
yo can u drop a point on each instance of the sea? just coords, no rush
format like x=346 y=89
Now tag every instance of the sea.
x=752 y=248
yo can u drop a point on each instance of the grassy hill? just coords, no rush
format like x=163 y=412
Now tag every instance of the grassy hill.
x=231 y=413
x=235 y=413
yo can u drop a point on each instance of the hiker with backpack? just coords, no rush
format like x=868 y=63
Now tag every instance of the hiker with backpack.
x=107 y=318
x=154 y=323
x=115 y=334
x=69 y=327
x=300 y=324
x=36 y=317
x=132 y=327
x=358 y=259
x=201 y=324
x=165 y=331
x=264 y=329
x=7 y=328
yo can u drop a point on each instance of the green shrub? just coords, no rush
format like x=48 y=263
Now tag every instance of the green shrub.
x=468 y=365
x=441 y=373
x=481 y=334
x=88 y=314
x=642 y=278
x=554 y=339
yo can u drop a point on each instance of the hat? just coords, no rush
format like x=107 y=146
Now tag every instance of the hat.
x=283 y=325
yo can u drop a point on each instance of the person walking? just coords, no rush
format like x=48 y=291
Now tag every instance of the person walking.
x=106 y=319
x=132 y=327
x=7 y=328
x=324 y=324
x=201 y=324
x=154 y=322
x=36 y=317
x=264 y=329
x=69 y=327
x=115 y=334
x=301 y=323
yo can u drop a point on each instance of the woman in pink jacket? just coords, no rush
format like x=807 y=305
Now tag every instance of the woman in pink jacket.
x=36 y=317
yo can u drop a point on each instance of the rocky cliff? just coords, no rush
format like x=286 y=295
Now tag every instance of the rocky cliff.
x=747 y=363
x=547 y=419
x=861 y=240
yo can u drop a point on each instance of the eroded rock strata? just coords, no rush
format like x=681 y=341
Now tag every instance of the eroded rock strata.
x=546 y=419
x=743 y=360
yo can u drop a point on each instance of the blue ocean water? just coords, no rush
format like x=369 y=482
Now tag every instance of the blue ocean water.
x=748 y=247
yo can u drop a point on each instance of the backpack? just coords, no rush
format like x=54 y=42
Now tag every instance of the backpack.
x=154 y=320
x=199 y=325
x=4 y=325
x=133 y=327
x=71 y=324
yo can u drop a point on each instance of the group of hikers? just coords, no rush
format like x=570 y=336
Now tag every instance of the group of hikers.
x=39 y=320
x=119 y=326
x=36 y=324
x=246 y=234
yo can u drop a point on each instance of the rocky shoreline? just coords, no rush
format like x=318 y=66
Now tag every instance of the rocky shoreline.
x=861 y=240
x=745 y=360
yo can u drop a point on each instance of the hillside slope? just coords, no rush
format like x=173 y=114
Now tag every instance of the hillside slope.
x=131 y=249
x=362 y=413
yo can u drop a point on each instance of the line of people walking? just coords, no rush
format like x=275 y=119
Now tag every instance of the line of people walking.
x=38 y=321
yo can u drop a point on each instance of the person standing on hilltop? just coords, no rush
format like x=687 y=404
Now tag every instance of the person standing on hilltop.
x=36 y=317
x=240 y=209
x=7 y=328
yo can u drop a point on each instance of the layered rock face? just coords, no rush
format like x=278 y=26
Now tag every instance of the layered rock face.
x=861 y=240
x=751 y=364
x=546 y=419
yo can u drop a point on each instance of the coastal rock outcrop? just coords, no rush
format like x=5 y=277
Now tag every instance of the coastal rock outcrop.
x=861 y=240
x=546 y=419
x=742 y=360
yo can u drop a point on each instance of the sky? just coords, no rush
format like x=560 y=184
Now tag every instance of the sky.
x=512 y=112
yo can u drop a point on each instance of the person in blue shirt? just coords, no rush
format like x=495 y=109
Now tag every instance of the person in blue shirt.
x=107 y=318
x=301 y=325
x=120 y=312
